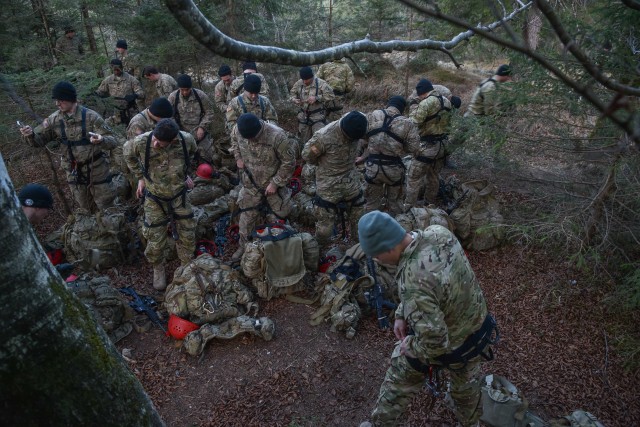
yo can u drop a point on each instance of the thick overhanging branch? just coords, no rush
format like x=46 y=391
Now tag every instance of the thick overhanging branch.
x=196 y=24
x=633 y=4
x=584 y=60
x=629 y=124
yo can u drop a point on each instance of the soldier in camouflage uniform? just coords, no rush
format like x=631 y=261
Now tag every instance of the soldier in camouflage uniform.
x=432 y=118
x=486 y=99
x=222 y=94
x=267 y=159
x=160 y=160
x=249 y=67
x=164 y=84
x=250 y=102
x=87 y=139
x=310 y=94
x=338 y=189
x=193 y=111
x=414 y=99
x=129 y=60
x=68 y=47
x=441 y=320
x=390 y=137
x=146 y=120
x=125 y=89
x=340 y=77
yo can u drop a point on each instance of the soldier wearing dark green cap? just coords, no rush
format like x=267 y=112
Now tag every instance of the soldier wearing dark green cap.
x=339 y=194
x=310 y=94
x=250 y=101
x=87 y=139
x=442 y=318
x=68 y=47
x=36 y=201
x=161 y=161
x=486 y=98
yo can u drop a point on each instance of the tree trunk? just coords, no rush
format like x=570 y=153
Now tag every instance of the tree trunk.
x=532 y=27
x=93 y=46
x=57 y=366
x=40 y=10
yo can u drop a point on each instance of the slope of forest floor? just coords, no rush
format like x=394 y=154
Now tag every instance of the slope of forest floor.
x=557 y=341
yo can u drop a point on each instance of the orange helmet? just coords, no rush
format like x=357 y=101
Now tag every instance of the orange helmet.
x=204 y=171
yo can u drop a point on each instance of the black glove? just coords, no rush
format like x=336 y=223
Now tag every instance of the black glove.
x=130 y=98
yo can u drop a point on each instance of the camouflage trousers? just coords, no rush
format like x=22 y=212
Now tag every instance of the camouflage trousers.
x=384 y=181
x=91 y=185
x=257 y=212
x=335 y=108
x=402 y=383
x=308 y=126
x=205 y=151
x=423 y=175
x=328 y=216
x=156 y=221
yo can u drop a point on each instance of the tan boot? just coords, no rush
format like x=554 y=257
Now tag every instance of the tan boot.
x=159 y=278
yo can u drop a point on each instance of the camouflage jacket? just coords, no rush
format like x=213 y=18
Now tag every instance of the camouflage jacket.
x=318 y=88
x=139 y=124
x=334 y=155
x=167 y=169
x=441 y=299
x=121 y=86
x=237 y=85
x=50 y=130
x=338 y=75
x=270 y=157
x=414 y=100
x=130 y=63
x=262 y=108
x=189 y=113
x=432 y=115
x=68 y=49
x=486 y=99
x=222 y=94
x=165 y=85
x=401 y=126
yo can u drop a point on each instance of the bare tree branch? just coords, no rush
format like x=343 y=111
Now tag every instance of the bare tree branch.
x=196 y=24
x=629 y=124
x=572 y=47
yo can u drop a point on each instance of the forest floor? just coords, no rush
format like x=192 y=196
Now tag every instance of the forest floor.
x=558 y=337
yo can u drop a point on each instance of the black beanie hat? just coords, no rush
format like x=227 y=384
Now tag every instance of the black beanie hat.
x=456 y=101
x=504 y=70
x=306 y=73
x=161 y=107
x=248 y=65
x=36 y=196
x=121 y=44
x=184 y=81
x=248 y=125
x=64 y=91
x=224 y=70
x=252 y=83
x=354 y=125
x=166 y=130
x=424 y=86
x=398 y=102
x=116 y=62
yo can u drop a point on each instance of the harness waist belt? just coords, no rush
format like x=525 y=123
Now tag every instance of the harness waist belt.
x=432 y=139
x=474 y=345
x=383 y=159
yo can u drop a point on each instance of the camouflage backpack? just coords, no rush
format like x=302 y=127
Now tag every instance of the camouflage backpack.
x=206 y=216
x=475 y=213
x=344 y=291
x=303 y=211
x=504 y=406
x=207 y=291
x=105 y=303
x=99 y=241
x=421 y=218
x=278 y=258
x=204 y=191
x=577 y=419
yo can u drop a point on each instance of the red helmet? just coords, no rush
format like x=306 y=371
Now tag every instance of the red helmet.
x=204 y=171
x=178 y=327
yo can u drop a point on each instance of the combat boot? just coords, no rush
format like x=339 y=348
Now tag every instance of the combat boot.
x=159 y=277
x=237 y=255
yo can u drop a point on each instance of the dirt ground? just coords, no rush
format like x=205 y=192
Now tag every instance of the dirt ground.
x=554 y=347
x=557 y=346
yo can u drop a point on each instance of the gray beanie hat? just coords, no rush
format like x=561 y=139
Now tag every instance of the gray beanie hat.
x=379 y=232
